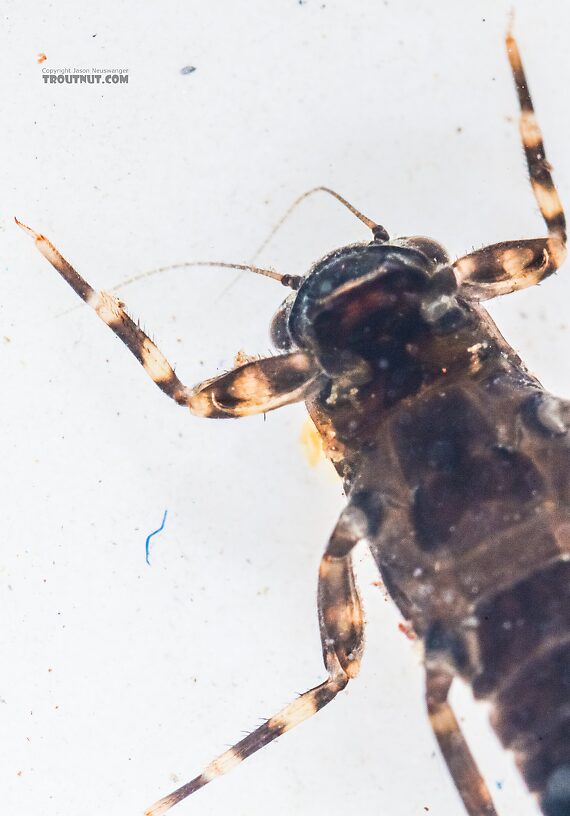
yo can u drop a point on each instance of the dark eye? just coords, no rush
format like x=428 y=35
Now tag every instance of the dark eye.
x=279 y=330
x=431 y=249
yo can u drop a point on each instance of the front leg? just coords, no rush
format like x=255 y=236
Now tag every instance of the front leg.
x=500 y=269
x=253 y=388
x=511 y=265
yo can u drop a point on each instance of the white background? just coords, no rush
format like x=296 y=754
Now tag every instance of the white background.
x=120 y=680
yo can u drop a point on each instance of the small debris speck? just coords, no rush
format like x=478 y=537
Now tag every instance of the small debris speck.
x=406 y=629
x=188 y=69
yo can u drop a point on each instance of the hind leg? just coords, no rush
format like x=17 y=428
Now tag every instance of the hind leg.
x=465 y=774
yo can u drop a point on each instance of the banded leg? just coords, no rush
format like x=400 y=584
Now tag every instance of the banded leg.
x=538 y=167
x=253 y=388
x=510 y=265
x=341 y=620
x=341 y=626
x=460 y=762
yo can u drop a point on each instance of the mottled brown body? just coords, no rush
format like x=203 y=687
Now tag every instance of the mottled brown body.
x=470 y=474
x=456 y=469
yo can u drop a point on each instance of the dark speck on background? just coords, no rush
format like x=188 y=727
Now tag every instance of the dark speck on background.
x=188 y=69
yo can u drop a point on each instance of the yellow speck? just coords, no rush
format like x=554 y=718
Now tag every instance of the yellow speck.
x=242 y=358
x=311 y=441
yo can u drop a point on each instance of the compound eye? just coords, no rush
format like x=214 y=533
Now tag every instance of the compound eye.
x=279 y=330
x=428 y=247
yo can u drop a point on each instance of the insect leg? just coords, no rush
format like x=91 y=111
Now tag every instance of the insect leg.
x=538 y=167
x=503 y=268
x=462 y=767
x=253 y=388
x=341 y=618
x=304 y=707
x=510 y=265
x=341 y=626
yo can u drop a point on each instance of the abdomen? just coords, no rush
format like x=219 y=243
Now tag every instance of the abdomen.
x=524 y=640
x=478 y=547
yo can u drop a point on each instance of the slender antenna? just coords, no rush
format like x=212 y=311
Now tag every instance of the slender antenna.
x=379 y=232
x=361 y=217
x=291 y=281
